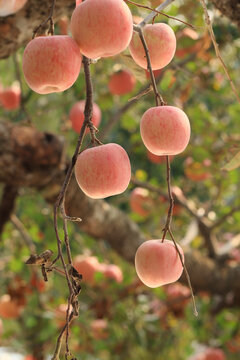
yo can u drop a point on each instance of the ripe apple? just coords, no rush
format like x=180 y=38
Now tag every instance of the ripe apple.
x=161 y=42
x=8 y=7
x=103 y=170
x=214 y=354
x=77 y=115
x=87 y=266
x=140 y=201
x=114 y=272
x=63 y=24
x=165 y=130
x=78 y=2
x=158 y=263
x=156 y=73
x=51 y=63
x=10 y=97
x=197 y=171
x=121 y=82
x=102 y=28
x=29 y=357
x=9 y=309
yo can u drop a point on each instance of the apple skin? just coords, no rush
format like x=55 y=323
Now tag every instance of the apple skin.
x=87 y=266
x=156 y=159
x=158 y=263
x=161 y=42
x=51 y=63
x=103 y=170
x=114 y=272
x=121 y=82
x=9 y=7
x=102 y=28
x=165 y=130
x=77 y=115
x=214 y=354
x=140 y=201
x=10 y=98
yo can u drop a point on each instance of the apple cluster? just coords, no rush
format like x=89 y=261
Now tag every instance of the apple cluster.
x=52 y=64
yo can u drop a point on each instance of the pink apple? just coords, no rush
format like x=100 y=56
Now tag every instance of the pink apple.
x=8 y=7
x=165 y=130
x=158 y=263
x=161 y=42
x=114 y=272
x=51 y=63
x=102 y=28
x=10 y=98
x=87 y=266
x=103 y=170
x=140 y=201
x=121 y=82
x=77 y=115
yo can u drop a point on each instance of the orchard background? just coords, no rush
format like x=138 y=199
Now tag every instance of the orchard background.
x=118 y=316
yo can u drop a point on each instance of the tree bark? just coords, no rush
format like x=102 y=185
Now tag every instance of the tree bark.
x=34 y=159
x=16 y=30
x=229 y=8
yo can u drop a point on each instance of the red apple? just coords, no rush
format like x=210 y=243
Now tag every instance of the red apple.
x=10 y=98
x=113 y=272
x=158 y=263
x=158 y=159
x=77 y=115
x=161 y=42
x=51 y=63
x=140 y=201
x=102 y=28
x=8 y=7
x=165 y=130
x=103 y=170
x=87 y=266
x=121 y=82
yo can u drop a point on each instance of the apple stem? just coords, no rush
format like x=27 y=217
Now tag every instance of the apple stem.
x=49 y=19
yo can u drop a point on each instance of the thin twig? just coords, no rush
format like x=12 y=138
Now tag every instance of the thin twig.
x=170 y=198
x=49 y=19
x=217 y=51
x=24 y=233
x=152 y=15
x=160 y=13
x=186 y=273
x=158 y=98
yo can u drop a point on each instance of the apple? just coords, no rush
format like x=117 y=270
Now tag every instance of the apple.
x=9 y=308
x=78 y=2
x=140 y=201
x=121 y=82
x=63 y=24
x=165 y=130
x=156 y=73
x=8 y=7
x=51 y=63
x=114 y=272
x=103 y=171
x=197 y=171
x=161 y=42
x=158 y=263
x=76 y=115
x=214 y=354
x=87 y=266
x=102 y=28
x=29 y=357
x=10 y=98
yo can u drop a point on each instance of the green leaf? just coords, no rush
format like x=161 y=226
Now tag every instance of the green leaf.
x=233 y=164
